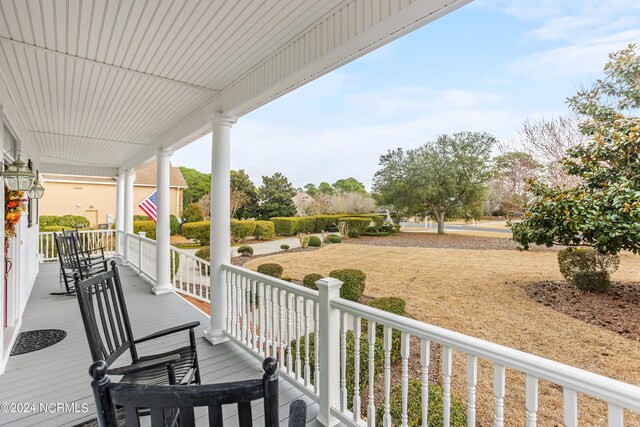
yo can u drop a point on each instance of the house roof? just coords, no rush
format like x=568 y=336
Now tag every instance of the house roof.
x=145 y=175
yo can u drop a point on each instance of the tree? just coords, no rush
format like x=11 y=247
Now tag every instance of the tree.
x=238 y=200
x=445 y=178
x=311 y=189
x=326 y=189
x=241 y=183
x=349 y=185
x=548 y=141
x=603 y=209
x=276 y=194
x=511 y=174
x=192 y=213
x=199 y=184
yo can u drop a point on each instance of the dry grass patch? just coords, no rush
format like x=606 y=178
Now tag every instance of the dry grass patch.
x=482 y=294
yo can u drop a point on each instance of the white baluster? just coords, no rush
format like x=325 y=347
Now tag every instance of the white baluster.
x=405 y=349
x=254 y=334
x=282 y=336
x=357 y=404
x=316 y=337
x=532 y=401
x=499 y=377
x=615 y=415
x=343 y=361
x=290 y=299
x=425 y=359
x=229 y=306
x=298 y=332
x=268 y=333
x=387 y=376
x=261 y=311
x=447 y=356
x=472 y=380
x=371 y=408
x=570 y=405
x=275 y=334
x=307 y=367
x=243 y=308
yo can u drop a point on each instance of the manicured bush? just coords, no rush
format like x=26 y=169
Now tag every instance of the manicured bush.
x=204 y=253
x=271 y=269
x=458 y=414
x=353 y=283
x=192 y=213
x=376 y=234
x=315 y=241
x=310 y=280
x=350 y=371
x=592 y=281
x=141 y=218
x=174 y=225
x=284 y=247
x=334 y=238
x=354 y=234
x=148 y=227
x=356 y=223
x=56 y=228
x=393 y=305
x=378 y=221
x=306 y=224
x=70 y=221
x=285 y=226
x=245 y=250
x=323 y=222
x=240 y=230
x=589 y=265
x=264 y=230
x=198 y=231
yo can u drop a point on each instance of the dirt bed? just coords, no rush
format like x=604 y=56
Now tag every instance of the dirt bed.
x=617 y=311
x=448 y=241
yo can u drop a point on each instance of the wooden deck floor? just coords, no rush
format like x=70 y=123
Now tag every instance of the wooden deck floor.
x=58 y=374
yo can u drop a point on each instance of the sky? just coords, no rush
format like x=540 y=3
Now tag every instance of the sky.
x=487 y=66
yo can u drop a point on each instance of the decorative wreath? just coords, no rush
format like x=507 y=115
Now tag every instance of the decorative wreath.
x=15 y=204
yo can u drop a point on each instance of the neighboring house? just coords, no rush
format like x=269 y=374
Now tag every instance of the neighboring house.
x=95 y=197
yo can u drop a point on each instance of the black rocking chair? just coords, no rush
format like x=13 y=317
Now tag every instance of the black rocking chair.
x=174 y=405
x=87 y=254
x=71 y=263
x=108 y=329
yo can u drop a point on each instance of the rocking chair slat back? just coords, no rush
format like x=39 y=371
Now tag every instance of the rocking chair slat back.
x=105 y=316
x=67 y=252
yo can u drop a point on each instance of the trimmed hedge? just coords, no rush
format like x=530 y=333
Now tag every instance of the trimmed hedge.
x=147 y=226
x=290 y=226
x=309 y=281
x=458 y=414
x=240 y=230
x=70 y=221
x=55 y=228
x=285 y=226
x=354 y=234
x=393 y=305
x=205 y=254
x=358 y=224
x=353 y=283
x=264 y=230
x=284 y=247
x=376 y=234
x=174 y=225
x=245 y=250
x=315 y=241
x=587 y=269
x=323 y=222
x=334 y=238
x=592 y=281
x=271 y=269
x=198 y=230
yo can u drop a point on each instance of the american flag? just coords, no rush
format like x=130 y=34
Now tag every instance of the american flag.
x=149 y=206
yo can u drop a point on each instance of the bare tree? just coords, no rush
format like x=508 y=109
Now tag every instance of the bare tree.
x=548 y=141
x=238 y=200
x=204 y=204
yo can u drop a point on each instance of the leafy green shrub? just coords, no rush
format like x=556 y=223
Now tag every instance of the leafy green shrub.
x=378 y=221
x=192 y=213
x=148 y=227
x=353 y=283
x=315 y=241
x=174 y=225
x=376 y=233
x=198 y=231
x=350 y=371
x=56 y=228
x=69 y=221
x=354 y=234
x=592 y=281
x=310 y=280
x=204 y=253
x=174 y=264
x=271 y=269
x=285 y=226
x=458 y=414
x=589 y=264
x=323 y=222
x=334 y=238
x=240 y=230
x=141 y=218
x=359 y=224
x=284 y=247
x=393 y=305
x=264 y=230
x=306 y=224
x=245 y=250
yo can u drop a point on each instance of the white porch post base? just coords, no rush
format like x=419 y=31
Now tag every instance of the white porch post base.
x=215 y=337
x=163 y=289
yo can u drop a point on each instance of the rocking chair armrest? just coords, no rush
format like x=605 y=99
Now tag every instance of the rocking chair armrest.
x=168 y=331
x=145 y=364
x=101 y=249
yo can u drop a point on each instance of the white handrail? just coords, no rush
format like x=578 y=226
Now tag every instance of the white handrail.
x=190 y=274
x=90 y=239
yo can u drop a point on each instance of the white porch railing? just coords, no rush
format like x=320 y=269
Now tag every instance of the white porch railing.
x=273 y=317
x=190 y=274
x=90 y=239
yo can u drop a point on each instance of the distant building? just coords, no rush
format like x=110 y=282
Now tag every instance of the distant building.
x=95 y=197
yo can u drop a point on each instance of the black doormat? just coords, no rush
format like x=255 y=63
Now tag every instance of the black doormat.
x=36 y=340
x=120 y=414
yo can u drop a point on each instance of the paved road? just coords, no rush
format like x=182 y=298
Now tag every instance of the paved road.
x=481 y=226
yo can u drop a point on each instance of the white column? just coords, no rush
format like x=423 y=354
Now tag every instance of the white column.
x=119 y=214
x=220 y=223
x=163 y=231
x=2 y=261
x=129 y=177
x=329 y=350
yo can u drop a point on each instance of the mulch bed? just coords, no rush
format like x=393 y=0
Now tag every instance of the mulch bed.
x=241 y=260
x=443 y=241
x=617 y=311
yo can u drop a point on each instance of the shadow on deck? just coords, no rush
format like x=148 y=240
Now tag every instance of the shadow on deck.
x=59 y=374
